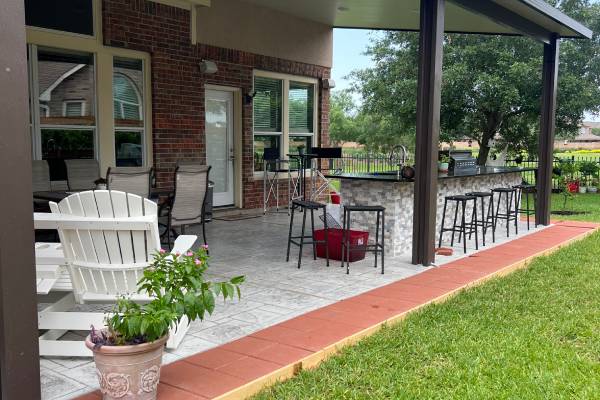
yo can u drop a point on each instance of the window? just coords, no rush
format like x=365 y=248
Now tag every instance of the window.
x=74 y=16
x=128 y=109
x=301 y=100
x=73 y=108
x=65 y=96
x=262 y=142
x=278 y=96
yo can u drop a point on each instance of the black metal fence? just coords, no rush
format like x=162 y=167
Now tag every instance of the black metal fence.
x=559 y=167
x=369 y=163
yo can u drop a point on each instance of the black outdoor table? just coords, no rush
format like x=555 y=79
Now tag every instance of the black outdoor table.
x=52 y=195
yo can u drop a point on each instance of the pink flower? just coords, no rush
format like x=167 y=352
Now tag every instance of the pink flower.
x=205 y=246
x=189 y=254
x=162 y=251
x=197 y=262
x=177 y=254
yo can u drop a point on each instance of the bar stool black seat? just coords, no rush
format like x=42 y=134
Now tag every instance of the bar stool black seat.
x=510 y=214
x=377 y=248
x=526 y=189
x=485 y=220
x=463 y=228
x=305 y=207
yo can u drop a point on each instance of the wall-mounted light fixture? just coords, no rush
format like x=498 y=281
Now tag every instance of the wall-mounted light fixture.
x=208 y=67
x=328 y=83
x=248 y=97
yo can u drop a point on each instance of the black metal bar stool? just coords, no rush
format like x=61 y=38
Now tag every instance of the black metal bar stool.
x=305 y=207
x=526 y=189
x=486 y=220
x=511 y=208
x=460 y=228
x=377 y=247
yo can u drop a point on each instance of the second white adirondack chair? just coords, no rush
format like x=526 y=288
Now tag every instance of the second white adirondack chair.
x=108 y=239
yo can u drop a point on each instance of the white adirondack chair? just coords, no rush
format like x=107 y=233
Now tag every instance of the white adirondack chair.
x=108 y=239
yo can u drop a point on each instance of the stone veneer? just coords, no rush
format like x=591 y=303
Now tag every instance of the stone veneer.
x=397 y=198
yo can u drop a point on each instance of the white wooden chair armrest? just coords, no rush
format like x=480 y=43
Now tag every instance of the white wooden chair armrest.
x=183 y=243
x=43 y=271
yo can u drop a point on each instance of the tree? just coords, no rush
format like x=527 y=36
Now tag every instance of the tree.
x=351 y=123
x=342 y=111
x=491 y=86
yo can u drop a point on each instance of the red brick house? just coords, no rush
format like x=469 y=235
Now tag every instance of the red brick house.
x=125 y=81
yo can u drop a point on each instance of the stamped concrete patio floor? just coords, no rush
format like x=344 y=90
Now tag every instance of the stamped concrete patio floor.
x=274 y=291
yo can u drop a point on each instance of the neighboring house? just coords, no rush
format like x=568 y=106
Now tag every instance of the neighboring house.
x=586 y=139
x=140 y=82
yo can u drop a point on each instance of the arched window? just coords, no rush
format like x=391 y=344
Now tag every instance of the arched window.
x=127 y=102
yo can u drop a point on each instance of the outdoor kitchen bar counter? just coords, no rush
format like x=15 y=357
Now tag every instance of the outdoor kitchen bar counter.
x=396 y=196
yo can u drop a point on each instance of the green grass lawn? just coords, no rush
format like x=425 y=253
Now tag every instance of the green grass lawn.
x=532 y=335
x=588 y=203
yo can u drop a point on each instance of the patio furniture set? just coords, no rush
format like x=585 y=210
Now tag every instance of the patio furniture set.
x=514 y=207
x=186 y=204
x=107 y=238
x=307 y=199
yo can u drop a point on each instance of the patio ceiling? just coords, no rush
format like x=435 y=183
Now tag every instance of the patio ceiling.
x=506 y=17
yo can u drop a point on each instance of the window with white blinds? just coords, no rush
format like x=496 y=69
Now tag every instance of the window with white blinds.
x=284 y=109
x=73 y=109
x=301 y=105
x=268 y=105
x=128 y=110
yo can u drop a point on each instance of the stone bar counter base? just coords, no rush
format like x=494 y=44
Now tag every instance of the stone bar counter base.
x=397 y=198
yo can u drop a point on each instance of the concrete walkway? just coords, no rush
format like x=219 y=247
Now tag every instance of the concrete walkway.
x=242 y=367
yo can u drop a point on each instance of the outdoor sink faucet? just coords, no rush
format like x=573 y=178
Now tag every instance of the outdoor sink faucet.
x=398 y=161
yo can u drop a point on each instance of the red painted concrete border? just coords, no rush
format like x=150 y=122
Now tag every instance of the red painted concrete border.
x=238 y=369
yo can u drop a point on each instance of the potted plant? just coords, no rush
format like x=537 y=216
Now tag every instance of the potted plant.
x=587 y=169
x=568 y=169
x=443 y=163
x=128 y=353
x=593 y=187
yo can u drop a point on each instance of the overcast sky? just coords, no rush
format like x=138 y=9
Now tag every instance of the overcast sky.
x=348 y=48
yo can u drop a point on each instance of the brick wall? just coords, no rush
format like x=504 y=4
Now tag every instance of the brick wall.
x=178 y=85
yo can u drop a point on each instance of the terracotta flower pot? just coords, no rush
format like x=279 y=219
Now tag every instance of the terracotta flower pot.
x=128 y=372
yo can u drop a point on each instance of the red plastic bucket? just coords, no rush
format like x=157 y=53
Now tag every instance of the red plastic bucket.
x=335 y=198
x=357 y=238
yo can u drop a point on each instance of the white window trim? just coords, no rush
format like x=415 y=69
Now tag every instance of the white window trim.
x=285 y=123
x=83 y=106
x=142 y=107
x=37 y=126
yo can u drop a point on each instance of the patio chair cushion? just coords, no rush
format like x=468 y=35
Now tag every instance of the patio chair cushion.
x=41 y=175
x=82 y=173
x=134 y=180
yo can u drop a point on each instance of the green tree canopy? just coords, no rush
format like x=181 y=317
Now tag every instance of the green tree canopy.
x=491 y=84
x=350 y=122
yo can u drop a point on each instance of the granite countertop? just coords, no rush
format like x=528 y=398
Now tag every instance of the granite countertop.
x=391 y=176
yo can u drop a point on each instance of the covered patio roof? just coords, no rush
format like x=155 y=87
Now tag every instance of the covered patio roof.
x=19 y=367
x=505 y=17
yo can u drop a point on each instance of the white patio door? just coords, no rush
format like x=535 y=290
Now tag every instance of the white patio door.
x=219 y=144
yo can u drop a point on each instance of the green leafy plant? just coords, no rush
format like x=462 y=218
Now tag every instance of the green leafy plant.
x=177 y=287
x=568 y=168
x=566 y=194
x=588 y=169
x=444 y=158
